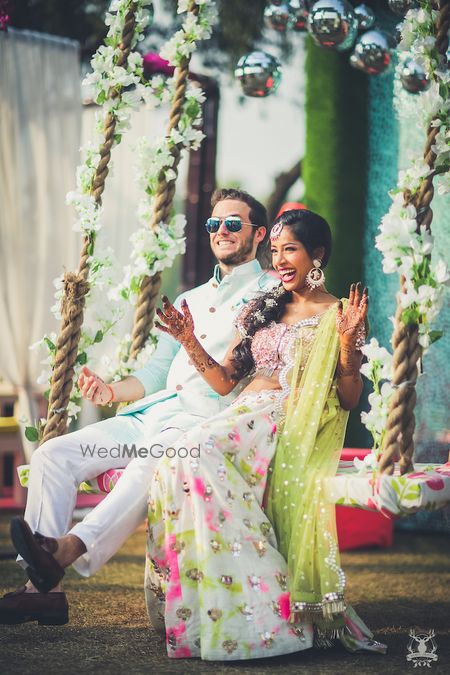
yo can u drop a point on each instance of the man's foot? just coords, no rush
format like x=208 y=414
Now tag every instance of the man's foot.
x=51 y=609
x=44 y=571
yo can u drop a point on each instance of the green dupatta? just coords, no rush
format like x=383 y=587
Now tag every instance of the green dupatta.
x=308 y=451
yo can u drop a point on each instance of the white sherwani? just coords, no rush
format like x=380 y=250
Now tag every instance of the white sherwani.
x=176 y=399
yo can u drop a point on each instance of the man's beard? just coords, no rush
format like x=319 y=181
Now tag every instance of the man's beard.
x=239 y=256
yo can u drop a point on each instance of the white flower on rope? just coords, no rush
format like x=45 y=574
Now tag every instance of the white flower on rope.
x=155 y=250
x=407 y=248
x=152 y=251
x=378 y=370
x=107 y=77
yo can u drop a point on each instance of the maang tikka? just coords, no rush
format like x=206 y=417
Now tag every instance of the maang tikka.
x=276 y=230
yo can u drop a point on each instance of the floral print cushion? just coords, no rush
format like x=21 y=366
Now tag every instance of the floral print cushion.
x=427 y=488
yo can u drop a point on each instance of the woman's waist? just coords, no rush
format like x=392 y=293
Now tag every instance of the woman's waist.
x=262 y=382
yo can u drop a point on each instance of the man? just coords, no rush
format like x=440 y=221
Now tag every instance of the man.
x=170 y=398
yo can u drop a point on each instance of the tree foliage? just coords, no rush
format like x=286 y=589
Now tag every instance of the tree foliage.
x=81 y=20
x=237 y=32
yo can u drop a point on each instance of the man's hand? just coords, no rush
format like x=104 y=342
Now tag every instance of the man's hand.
x=179 y=325
x=93 y=388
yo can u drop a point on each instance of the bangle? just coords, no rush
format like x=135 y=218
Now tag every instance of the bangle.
x=111 y=400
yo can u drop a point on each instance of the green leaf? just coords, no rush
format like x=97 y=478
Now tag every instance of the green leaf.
x=32 y=434
x=98 y=336
x=50 y=344
x=135 y=285
x=410 y=316
x=435 y=335
x=47 y=394
x=101 y=98
x=82 y=358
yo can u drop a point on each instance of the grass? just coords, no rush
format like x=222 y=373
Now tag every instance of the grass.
x=392 y=589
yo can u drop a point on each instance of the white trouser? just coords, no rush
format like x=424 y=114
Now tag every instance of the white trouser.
x=59 y=466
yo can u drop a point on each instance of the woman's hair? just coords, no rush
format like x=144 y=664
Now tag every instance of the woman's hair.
x=313 y=232
x=310 y=229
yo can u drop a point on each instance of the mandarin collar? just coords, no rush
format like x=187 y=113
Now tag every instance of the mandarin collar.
x=246 y=269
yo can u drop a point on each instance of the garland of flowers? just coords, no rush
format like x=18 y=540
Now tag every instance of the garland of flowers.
x=152 y=251
x=405 y=245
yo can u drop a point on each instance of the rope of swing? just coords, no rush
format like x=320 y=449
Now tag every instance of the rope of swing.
x=399 y=437
x=76 y=285
x=149 y=291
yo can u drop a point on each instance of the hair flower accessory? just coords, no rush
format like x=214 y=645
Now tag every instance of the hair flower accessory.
x=259 y=316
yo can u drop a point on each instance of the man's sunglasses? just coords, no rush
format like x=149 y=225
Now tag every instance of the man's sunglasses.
x=232 y=223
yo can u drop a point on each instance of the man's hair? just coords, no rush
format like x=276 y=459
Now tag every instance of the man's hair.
x=258 y=213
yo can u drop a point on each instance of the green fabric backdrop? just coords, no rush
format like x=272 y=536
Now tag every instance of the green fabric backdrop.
x=334 y=168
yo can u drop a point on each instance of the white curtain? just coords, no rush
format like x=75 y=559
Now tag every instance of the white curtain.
x=40 y=121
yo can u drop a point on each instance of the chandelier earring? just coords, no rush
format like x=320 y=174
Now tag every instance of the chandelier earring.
x=315 y=276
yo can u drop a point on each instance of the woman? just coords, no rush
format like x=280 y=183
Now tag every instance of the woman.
x=223 y=525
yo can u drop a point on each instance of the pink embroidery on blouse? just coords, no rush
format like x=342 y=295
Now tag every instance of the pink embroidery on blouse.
x=271 y=345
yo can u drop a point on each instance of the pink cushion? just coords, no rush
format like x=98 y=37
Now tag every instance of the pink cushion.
x=357 y=528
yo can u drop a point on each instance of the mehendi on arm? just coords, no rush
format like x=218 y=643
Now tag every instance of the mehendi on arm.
x=181 y=326
x=350 y=325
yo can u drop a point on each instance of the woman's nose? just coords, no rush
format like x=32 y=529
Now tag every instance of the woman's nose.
x=277 y=258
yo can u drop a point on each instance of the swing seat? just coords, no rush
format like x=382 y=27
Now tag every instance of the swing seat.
x=425 y=489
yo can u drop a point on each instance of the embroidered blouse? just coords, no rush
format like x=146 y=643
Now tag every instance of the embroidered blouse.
x=273 y=349
x=272 y=346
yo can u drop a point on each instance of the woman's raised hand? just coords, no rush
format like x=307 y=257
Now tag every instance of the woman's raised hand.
x=178 y=324
x=93 y=388
x=350 y=323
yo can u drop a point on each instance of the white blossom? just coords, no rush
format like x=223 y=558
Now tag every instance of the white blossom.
x=153 y=250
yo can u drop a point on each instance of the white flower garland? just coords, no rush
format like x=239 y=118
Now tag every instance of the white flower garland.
x=406 y=248
x=378 y=370
x=106 y=76
x=155 y=250
x=152 y=251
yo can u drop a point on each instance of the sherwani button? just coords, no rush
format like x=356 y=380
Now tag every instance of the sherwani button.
x=212 y=309
x=202 y=337
x=179 y=387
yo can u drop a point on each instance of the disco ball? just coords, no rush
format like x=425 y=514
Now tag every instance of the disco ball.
x=365 y=17
x=400 y=7
x=333 y=24
x=278 y=16
x=259 y=74
x=299 y=13
x=372 y=53
x=413 y=77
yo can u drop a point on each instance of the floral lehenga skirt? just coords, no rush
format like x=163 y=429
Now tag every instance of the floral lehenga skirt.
x=215 y=583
